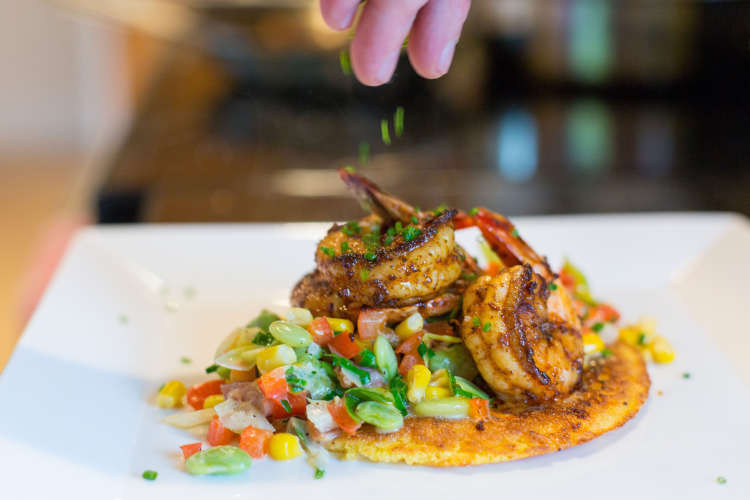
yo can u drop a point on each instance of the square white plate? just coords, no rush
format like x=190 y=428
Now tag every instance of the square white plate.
x=76 y=412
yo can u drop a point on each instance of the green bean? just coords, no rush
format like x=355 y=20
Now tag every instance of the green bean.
x=290 y=334
x=453 y=407
x=381 y=416
x=264 y=320
x=385 y=358
x=218 y=460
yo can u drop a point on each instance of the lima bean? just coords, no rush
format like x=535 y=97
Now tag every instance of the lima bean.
x=218 y=460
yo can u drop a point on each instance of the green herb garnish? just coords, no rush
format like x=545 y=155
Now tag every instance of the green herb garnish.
x=296 y=384
x=425 y=352
x=486 y=327
x=319 y=473
x=388 y=240
x=344 y=246
x=349 y=169
x=468 y=276
x=411 y=233
x=721 y=480
x=328 y=251
x=384 y=132
x=686 y=375
x=642 y=339
x=363 y=154
x=414 y=219
x=514 y=233
x=598 y=326
x=345 y=61
x=286 y=405
x=474 y=211
x=398 y=389
x=398 y=121
x=367 y=358
x=440 y=209
x=552 y=286
x=476 y=321
x=149 y=475
x=263 y=338
x=363 y=375
x=370 y=256
x=224 y=372
x=212 y=368
x=185 y=360
x=606 y=352
x=363 y=274
x=122 y=319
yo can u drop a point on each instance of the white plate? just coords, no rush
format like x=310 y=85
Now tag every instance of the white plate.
x=76 y=418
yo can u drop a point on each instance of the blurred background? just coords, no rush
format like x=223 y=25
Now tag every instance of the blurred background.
x=203 y=111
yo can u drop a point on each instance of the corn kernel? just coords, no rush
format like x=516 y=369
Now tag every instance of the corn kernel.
x=647 y=324
x=417 y=380
x=170 y=396
x=410 y=326
x=284 y=446
x=440 y=378
x=661 y=350
x=630 y=335
x=299 y=316
x=340 y=325
x=433 y=392
x=242 y=375
x=212 y=401
x=273 y=357
x=592 y=343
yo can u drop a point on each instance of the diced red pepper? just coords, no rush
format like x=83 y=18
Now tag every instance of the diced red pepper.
x=190 y=449
x=411 y=344
x=603 y=313
x=218 y=435
x=198 y=393
x=479 y=408
x=341 y=416
x=407 y=362
x=371 y=323
x=463 y=220
x=493 y=268
x=273 y=384
x=321 y=331
x=345 y=344
x=255 y=441
x=297 y=402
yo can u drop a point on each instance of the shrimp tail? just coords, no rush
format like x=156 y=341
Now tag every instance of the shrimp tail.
x=375 y=200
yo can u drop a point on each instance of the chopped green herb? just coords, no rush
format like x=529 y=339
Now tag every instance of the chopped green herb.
x=345 y=61
x=367 y=358
x=363 y=153
x=370 y=256
x=391 y=231
x=642 y=339
x=440 y=209
x=263 y=338
x=212 y=368
x=552 y=286
x=606 y=352
x=398 y=121
x=411 y=233
x=122 y=319
x=286 y=405
x=185 y=360
x=319 y=473
x=349 y=169
x=487 y=327
x=468 y=276
x=414 y=219
x=476 y=321
x=721 y=480
x=598 y=326
x=384 y=133
x=328 y=251
x=388 y=240
x=363 y=274
x=398 y=389
x=686 y=375
x=514 y=233
x=474 y=211
x=263 y=320
x=161 y=387
x=399 y=227
x=189 y=292
x=344 y=246
x=425 y=352
x=296 y=384
x=364 y=375
x=351 y=228
x=149 y=475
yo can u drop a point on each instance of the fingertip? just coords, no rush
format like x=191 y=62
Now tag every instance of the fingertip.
x=339 y=14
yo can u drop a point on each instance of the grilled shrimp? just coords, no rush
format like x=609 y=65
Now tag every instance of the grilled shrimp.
x=394 y=258
x=520 y=325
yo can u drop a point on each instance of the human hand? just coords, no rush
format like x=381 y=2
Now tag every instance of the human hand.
x=433 y=27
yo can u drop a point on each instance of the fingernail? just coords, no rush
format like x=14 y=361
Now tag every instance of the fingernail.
x=348 y=21
x=389 y=65
x=446 y=57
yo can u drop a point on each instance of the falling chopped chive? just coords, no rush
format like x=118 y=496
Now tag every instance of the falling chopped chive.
x=385 y=133
x=328 y=251
x=606 y=352
x=363 y=274
x=552 y=286
x=487 y=327
x=414 y=219
x=363 y=154
x=642 y=339
x=514 y=233
x=598 y=326
x=476 y=321
x=686 y=375
x=149 y=475
x=440 y=209
x=349 y=169
x=286 y=405
x=319 y=473
x=721 y=480
x=345 y=61
x=370 y=256
x=185 y=360
x=474 y=211
x=344 y=246
x=212 y=368
x=122 y=319
x=468 y=276
x=411 y=232
x=398 y=121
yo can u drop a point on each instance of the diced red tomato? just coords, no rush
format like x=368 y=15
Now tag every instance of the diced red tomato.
x=345 y=344
x=341 y=416
x=255 y=441
x=479 y=408
x=321 y=331
x=273 y=384
x=190 y=449
x=567 y=279
x=410 y=345
x=198 y=393
x=297 y=402
x=602 y=313
x=218 y=434
x=371 y=323
x=493 y=268
x=463 y=220
x=407 y=362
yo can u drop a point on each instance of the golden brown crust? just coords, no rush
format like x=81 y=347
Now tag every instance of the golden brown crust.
x=611 y=393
